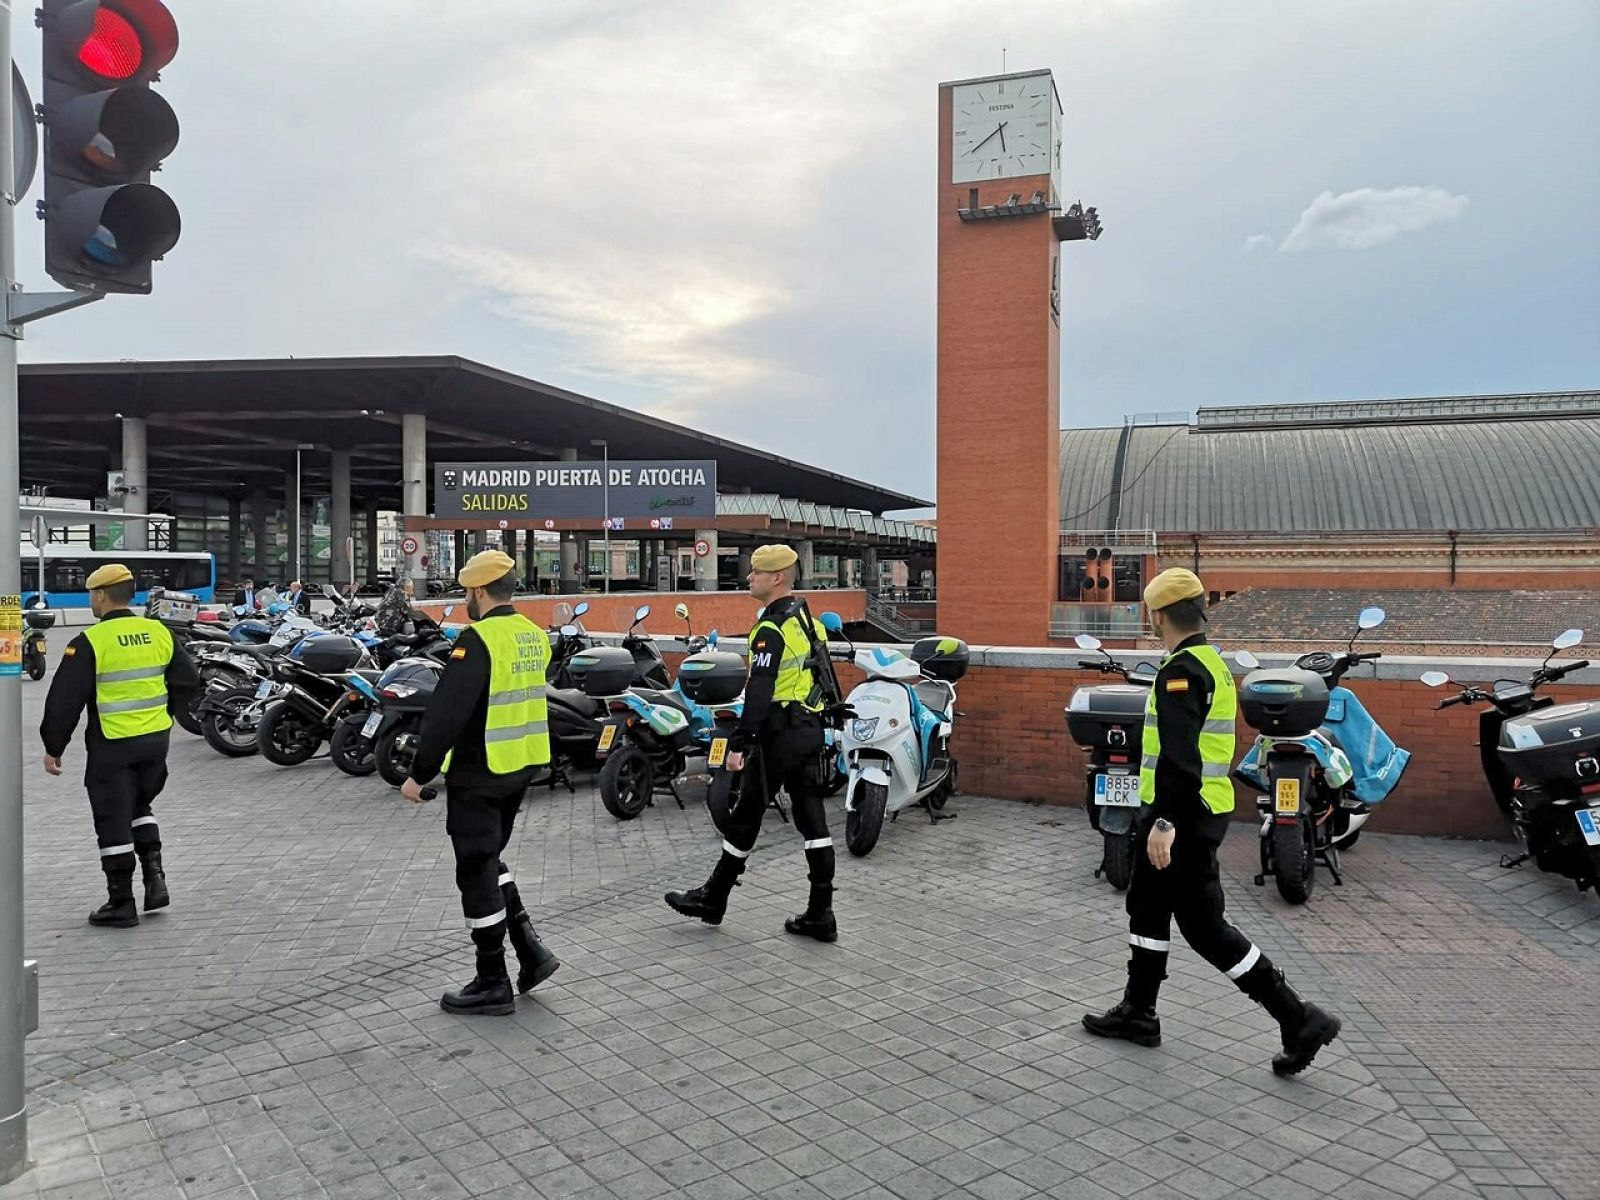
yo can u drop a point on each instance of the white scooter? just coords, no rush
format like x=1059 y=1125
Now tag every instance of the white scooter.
x=897 y=743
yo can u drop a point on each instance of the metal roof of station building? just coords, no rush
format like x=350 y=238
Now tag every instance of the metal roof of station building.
x=231 y=426
x=1512 y=463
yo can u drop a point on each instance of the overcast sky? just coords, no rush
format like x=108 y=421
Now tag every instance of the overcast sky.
x=722 y=212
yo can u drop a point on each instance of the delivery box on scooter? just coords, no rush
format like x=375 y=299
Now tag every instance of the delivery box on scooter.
x=943 y=658
x=1286 y=702
x=603 y=671
x=1107 y=716
x=1554 y=745
x=712 y=677
x=331 y=655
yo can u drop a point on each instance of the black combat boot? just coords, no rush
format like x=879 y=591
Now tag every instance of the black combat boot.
x=155 y=880
x=817 y=920
x=1306 y=1028
x=489 y=993
x=709 y=901
x=1133 y=1019
x=537 y=963
x=119 y=910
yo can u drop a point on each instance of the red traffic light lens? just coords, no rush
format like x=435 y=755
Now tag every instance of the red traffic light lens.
x=113 y=49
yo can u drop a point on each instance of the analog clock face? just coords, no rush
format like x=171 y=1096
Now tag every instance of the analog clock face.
x=1003 y=127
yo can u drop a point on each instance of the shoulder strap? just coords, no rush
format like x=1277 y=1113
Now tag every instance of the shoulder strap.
x=818 y=662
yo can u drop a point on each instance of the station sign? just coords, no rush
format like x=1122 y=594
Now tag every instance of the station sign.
x=666 y=492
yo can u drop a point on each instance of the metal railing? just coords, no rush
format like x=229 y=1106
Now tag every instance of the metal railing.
x=888 y=617
x=1122 y=621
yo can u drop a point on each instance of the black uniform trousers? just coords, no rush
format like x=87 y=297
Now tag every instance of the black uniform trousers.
x=123 y=779
x=784 y=758
x=1189 y=891
x=480 y=810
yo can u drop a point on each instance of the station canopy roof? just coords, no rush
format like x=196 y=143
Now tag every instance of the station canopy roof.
x=230 y=428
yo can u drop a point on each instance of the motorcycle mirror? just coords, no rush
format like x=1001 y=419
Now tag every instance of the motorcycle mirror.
x=582 y=608
x=1435 y=678
x=448 y=609
x=1087 y=641
x=641 y=613
x=570 y=631
x=1569 y=639
x=1371 y=618
x=1246 y=660
x=681 y=612
x=711 y=640
x=832 y=622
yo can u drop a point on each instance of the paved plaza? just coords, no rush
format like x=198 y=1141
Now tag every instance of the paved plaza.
x=276 y=1033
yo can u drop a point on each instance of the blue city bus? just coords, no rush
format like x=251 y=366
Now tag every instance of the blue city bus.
x=67 y=567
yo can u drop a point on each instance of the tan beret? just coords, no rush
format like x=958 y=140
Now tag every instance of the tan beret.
x=485 y=567
x=774 y=558
x=106 y=576
x=1171 y=586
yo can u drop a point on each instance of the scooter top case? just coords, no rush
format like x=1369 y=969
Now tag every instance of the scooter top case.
x=1554 y=746
x=1107 y=716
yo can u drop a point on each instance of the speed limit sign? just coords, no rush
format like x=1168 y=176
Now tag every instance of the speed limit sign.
x=702 y=548
x=409 y=546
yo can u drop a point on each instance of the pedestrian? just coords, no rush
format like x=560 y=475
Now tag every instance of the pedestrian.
x=245 y=597
x=299 y=599
x=778 y=743
x=1187 y=796
x=394 y=610
x=128 y=673
x=487 y=728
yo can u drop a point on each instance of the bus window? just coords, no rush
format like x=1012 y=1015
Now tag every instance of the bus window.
x=65 y=574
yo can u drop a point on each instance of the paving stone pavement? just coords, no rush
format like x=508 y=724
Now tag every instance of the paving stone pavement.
x=276 y=1033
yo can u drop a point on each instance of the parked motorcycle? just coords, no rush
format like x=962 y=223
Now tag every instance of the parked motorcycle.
x=1320 y=765
x=896 y=744
x=38 y=618
x=651 y=733
x=1542 y=761
x=1106 y=720
x=313 y=701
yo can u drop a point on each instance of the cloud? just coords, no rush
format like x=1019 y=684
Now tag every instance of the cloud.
x=1259 y=241
x=1369 y=217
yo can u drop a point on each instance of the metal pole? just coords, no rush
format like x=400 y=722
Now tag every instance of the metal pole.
x=13 y=1095
x=295 y=528
x=605 y=451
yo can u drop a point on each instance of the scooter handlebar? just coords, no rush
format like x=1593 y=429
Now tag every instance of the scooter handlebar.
x=1576 y=664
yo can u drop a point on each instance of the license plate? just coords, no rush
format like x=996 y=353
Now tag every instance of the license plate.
x=1589 y=823
x=719 y=752
x=1288 y=796
x=371 y=726
x=607 y=736
x=1117 y=791
x=42 y=646
x=264 y=690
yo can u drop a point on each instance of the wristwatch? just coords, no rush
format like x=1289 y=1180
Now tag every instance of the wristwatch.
x=1164 y=825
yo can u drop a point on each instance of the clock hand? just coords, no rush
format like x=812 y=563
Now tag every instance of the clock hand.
x=985 y=141
x=1002 y=132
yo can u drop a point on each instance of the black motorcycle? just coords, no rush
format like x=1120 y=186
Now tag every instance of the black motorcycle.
x=37 y=619
x=1106 y=721
x=1542 y=761
x=315 y=698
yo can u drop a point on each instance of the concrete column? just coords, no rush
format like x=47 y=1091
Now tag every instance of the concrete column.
x=461 y=548
x=480 y=541
x=258 y=531
x=581 y=544
x=530 y=559
x=744 y=561
x=808 y=563
x=569 y=544
x=235 y=539
x=869 y=568
x=291 y=553
x=136 y=476
x=669 y=549
x=705 y=569
x=414 y=486
x=340 y=562
x=372 y=539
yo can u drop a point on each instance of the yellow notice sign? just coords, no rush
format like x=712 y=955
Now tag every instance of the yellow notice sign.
x=10 y=635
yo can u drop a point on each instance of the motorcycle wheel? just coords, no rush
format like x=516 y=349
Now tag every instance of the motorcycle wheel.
x=393 y=765
x=285 y=738
x=864 y=822
x=187 y=719
x=1294 y=857
x=1118 y=864
x=35 y=667
x=219 y=730
x=350 y=752
x=627 y=782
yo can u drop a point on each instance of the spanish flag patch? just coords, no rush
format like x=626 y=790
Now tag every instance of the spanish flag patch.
x=70 y=652
x=459 y=652
x=1177 y=685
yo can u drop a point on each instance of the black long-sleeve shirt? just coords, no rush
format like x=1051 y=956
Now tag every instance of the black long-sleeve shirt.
x=1183 y=690
x=458 y=711
x=72 y=693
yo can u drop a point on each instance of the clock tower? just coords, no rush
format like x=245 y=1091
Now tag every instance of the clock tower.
x=1000 y=227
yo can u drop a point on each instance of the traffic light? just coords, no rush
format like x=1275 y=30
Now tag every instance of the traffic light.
x=105 y=131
